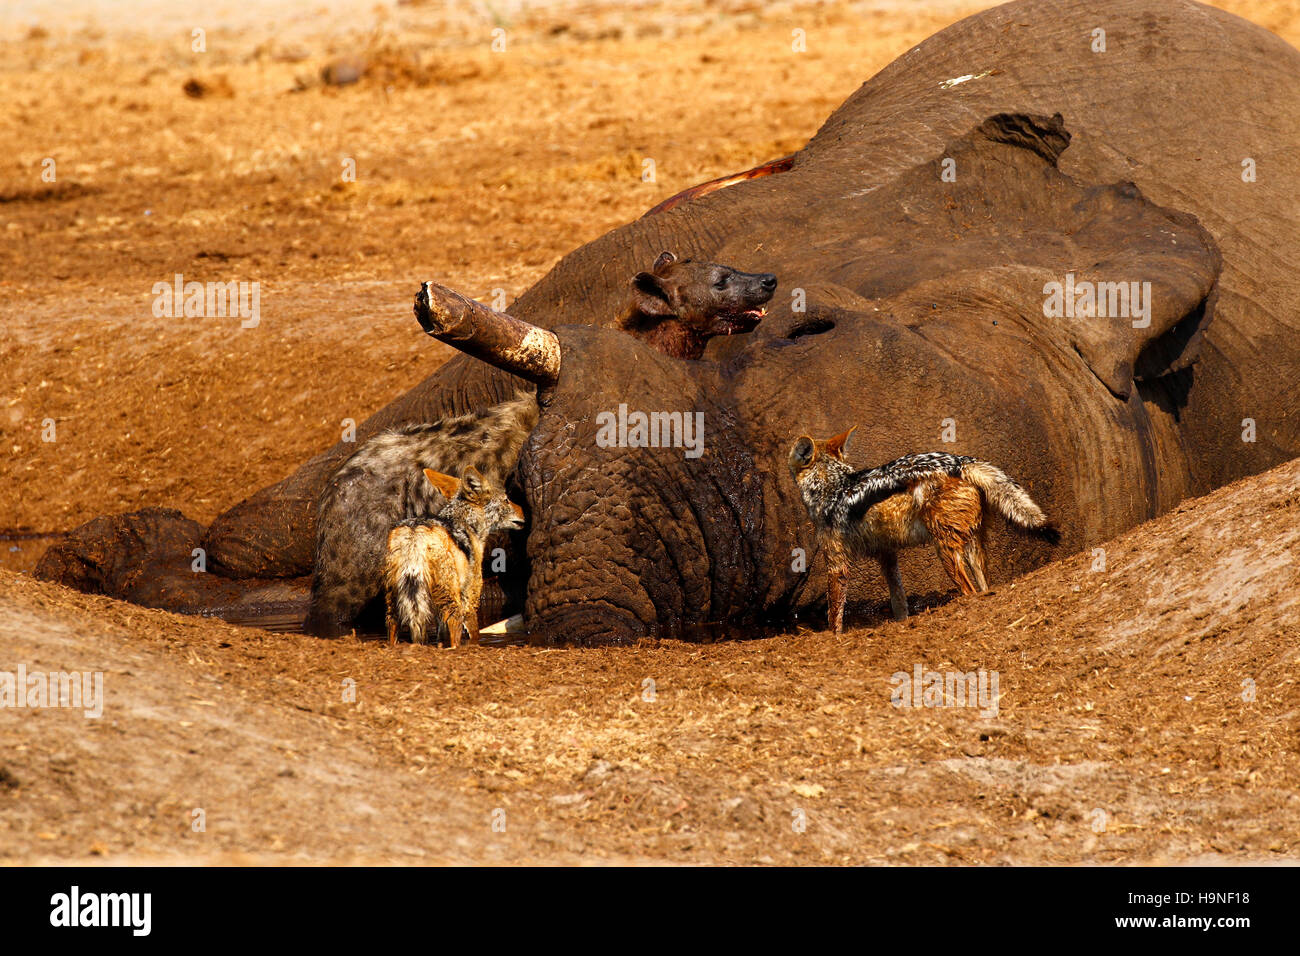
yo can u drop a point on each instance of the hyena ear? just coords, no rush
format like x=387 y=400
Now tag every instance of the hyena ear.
x=649 y=295
x=663 y=262
x=803 y=452
x=836 y=446
x=471 y=481
x=445 y=484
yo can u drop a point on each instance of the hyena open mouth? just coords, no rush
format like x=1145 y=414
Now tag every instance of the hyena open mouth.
x=741 y=322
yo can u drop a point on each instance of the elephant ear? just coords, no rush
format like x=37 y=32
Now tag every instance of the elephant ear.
x=1144 y=293
x=1139 y=314
x=1162 y=333
x=447 y=485
x=1098 y=270
x=650 y=296
x=1163 y=309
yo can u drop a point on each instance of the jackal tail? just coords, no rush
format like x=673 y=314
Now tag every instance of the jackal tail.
x=1005 y=496
x=407 y=578
x=413 y=602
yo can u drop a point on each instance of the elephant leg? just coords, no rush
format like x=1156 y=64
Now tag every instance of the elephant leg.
x=154 y=558
x=894 y=578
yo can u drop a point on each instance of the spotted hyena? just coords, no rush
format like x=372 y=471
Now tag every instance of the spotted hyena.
x=383 y=483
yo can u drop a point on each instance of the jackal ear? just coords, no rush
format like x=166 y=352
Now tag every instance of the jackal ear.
x=446 y=484
x=836 y=446
x=471 y=481
x=803 y=452
x=649 y=295
x=663 y=262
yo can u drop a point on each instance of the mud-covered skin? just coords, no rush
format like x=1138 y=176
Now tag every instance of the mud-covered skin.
x=922 y=303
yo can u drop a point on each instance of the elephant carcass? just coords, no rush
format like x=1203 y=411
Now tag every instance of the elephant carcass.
x=628 y=540
x=904 y=275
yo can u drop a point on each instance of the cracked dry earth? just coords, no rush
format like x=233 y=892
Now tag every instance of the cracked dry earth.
x=1123 y=732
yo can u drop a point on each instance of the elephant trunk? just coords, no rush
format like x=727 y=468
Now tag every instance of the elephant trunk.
x=645 y=504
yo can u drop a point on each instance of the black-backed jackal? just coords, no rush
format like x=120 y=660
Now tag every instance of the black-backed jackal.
x=917 y=499
x=383 y=483
x=433 y=568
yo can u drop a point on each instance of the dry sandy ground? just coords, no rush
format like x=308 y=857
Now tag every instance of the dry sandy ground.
x=1147 y=714
x=481 y=169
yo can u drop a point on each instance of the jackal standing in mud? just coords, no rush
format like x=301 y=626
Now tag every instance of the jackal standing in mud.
x=917 y=499
x=433 y=570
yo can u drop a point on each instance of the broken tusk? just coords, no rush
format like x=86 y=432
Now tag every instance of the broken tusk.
x=511 y=625
x=510 y=344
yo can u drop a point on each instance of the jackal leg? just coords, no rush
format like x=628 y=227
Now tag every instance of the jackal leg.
x=469 y=606
x=973 y=554
x=455 y=625
x=390 y=619
x=420 y=632
x=894 y=578
x=952 y=555
x=837 y=581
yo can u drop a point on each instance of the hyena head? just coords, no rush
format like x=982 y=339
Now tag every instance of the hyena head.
x=819 y=469
x=476 y=504
x=688 y=302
